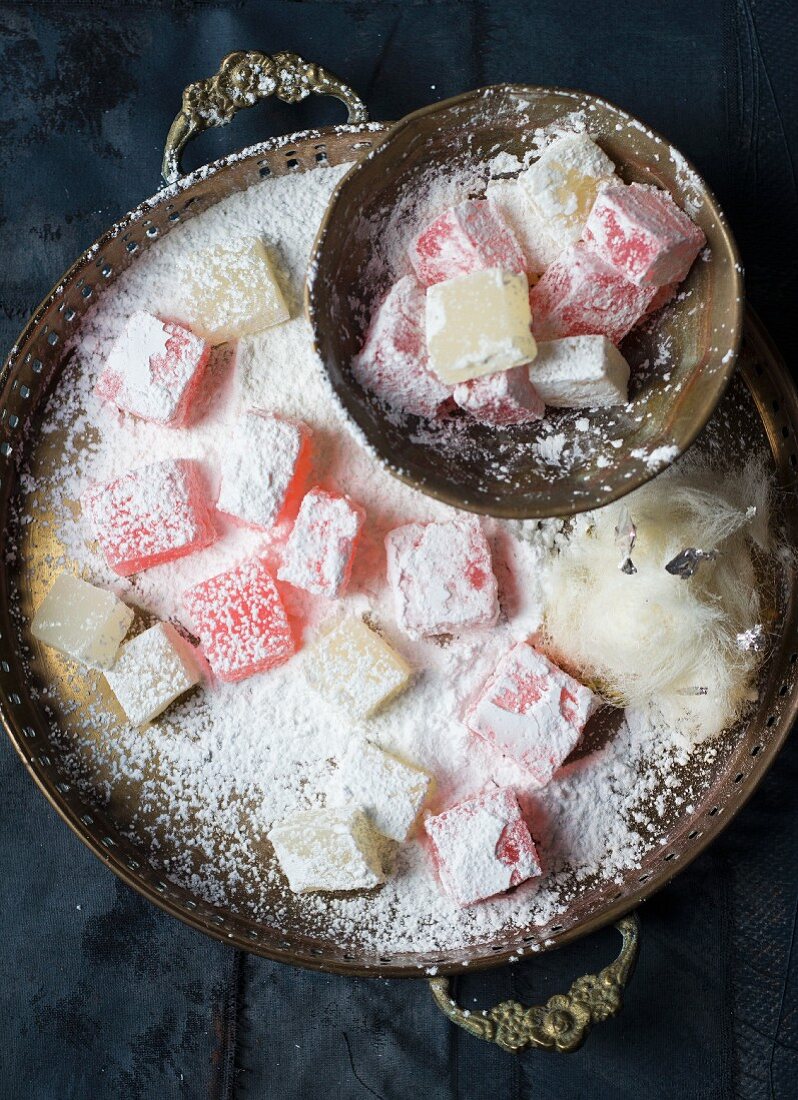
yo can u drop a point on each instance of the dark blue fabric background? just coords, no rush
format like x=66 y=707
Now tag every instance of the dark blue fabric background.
x=102 y=996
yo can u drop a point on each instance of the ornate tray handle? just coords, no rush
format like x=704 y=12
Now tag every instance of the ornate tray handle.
x=563 y=1022
x=242 y=80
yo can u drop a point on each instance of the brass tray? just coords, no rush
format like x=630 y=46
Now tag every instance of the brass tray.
x=760 y=409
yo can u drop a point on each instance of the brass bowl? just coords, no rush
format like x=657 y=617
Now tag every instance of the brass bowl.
x=506 y=472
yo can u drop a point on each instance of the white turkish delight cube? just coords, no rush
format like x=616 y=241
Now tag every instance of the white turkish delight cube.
x=580 y=372
x=390 y=791
x=328 y=850
x=152 y=670
x=355 y=668
x=82 y=621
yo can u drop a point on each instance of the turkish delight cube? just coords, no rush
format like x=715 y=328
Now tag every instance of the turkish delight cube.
x=482 y=847
x=82 y=621
x=393 y=363
x=153 y=370
x=642 y=233
x=563 y=182
x=152 y=670
x=507 y=397
x=319 y=552
x=389 y=791
x=328 y=850
x=468 y=237
x=264 y=466
x=531 y=711
x=479 y=324
x=441 y=576
x=240 y=620
x=233 y=291
x=580 y=294
x=151 y=515
x=355 y=668
x=580 y=372
x=512 y=201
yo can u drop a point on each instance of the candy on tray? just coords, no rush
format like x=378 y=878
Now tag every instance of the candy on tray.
x=580 y=372
x=233 y=291
x=507 y=397
x=512 y=201
x=153 y=370
x=478 y=324
x=355 y=668
x=393 y=363
x=468 y=237
x=441 y=576
x=319 y=552
x=580 y=294
x=152 y=670
x=264 y=467
x=151 y=515
x=531 y=711
x=482 y=847
x=389 y=791
x=324 y=850
x=82 y=621
x=240 y=620
x=641 y=232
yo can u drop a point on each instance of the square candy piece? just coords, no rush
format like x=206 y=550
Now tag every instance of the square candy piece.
x=468 y=237
x=478 y=324
x=152 y=670
x=264 y=467
x=327 y=850
x=355 y=668
x=580 y=372
x=507 y=397
x=150 y=516
x=233 y=291
x=241 y=621
x=562 y=184
x=531 y=711
x=154 y=370
x=389 y=791
x=642 y=233
x=319 y=552
x=393 y=363
x=582 y=295
x=442 y=577
x=512 y=201
x=482 y=847
x=82 y=621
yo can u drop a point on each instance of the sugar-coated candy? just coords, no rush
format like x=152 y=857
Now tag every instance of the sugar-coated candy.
x=388 y=790
x=479 y=324
x=319 y=552
x=393 y=363
x=441 y=576
x=482 y=847
x=507 y=397
x=82 y=621
x=264 y=466
x=468 y=237
x=562 y=184
x=233 y=291
x=580 y=294
x=641 y=232
x=355 y=668
x=512 y=201
x=152 y=670
x=580 y=372
x=531 y=711
x=153 y=370
x=151 y=515
x=240 y=620
x=331 y=849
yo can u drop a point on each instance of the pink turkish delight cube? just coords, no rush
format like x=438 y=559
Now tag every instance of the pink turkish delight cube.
x=240 y=620
x=506 y=397
x=581 y=295
x=154 y=370
x=531 y=711
x=150 y=516
x=482 y=847
x=319 y=552
x=393 y=363
x=468 y=237
x=642 y=233
x=442 y=577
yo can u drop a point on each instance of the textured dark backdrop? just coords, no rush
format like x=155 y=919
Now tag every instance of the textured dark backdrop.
x=103 y=996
